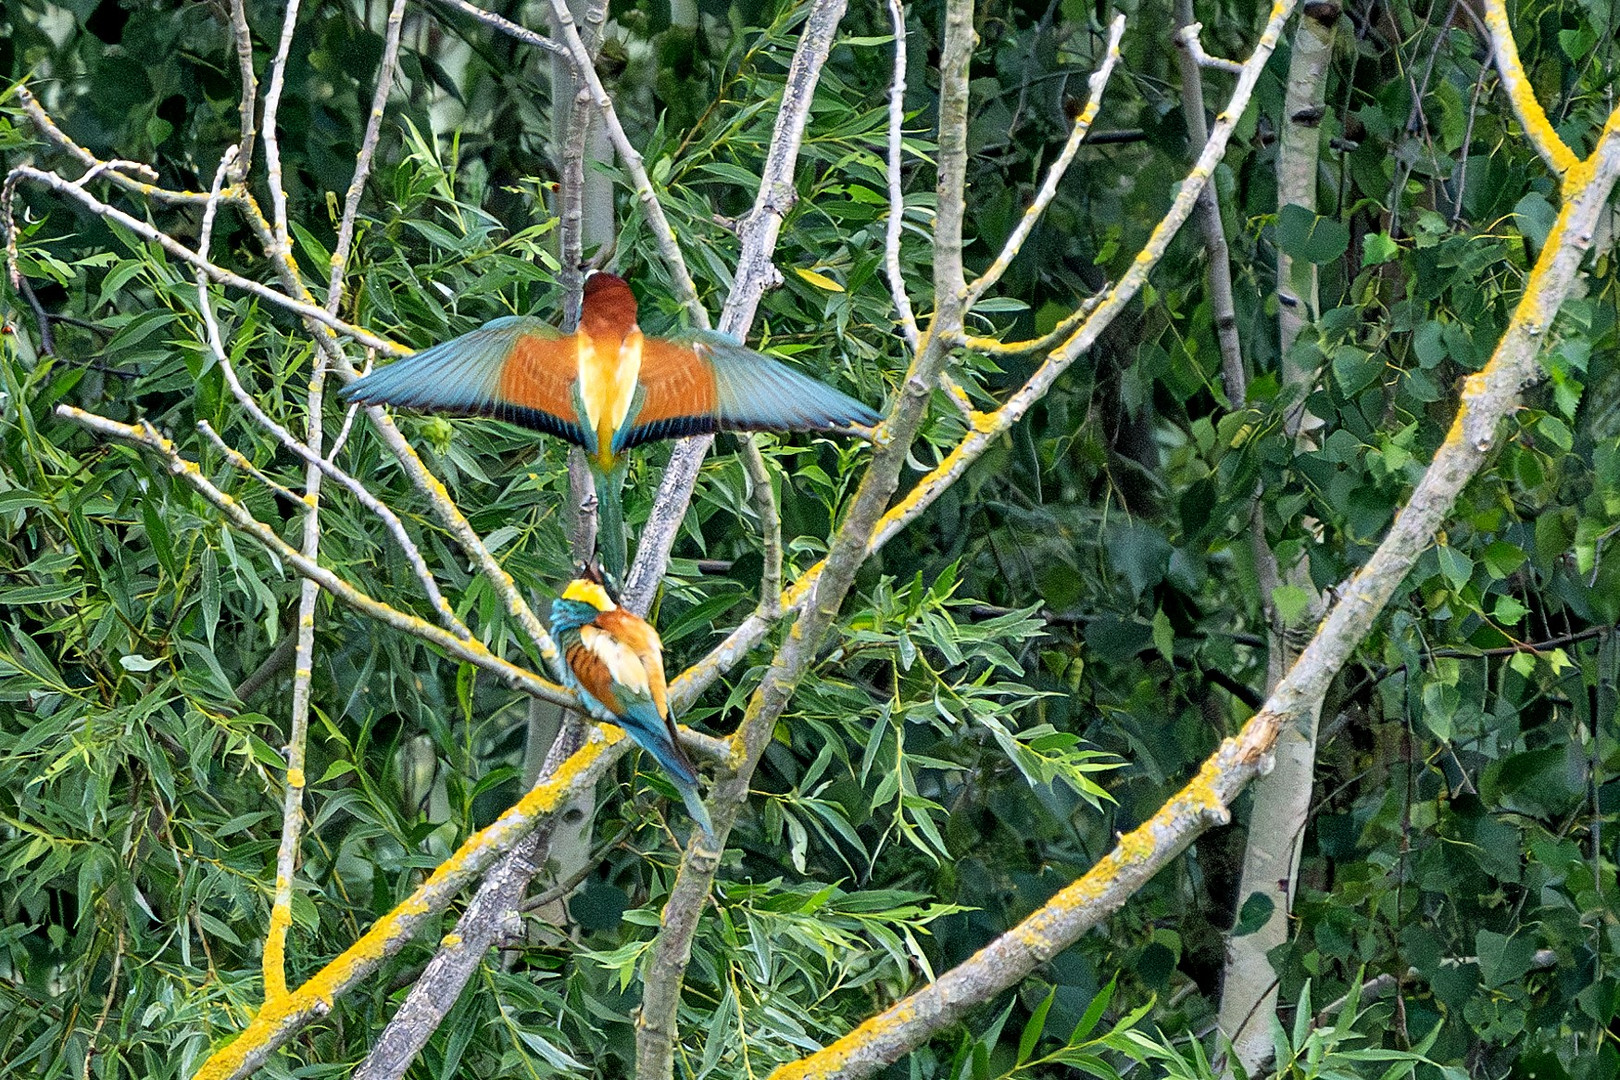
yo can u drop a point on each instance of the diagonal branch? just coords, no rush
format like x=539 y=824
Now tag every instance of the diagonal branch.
x=471 y=650
x=1054 y=176
x=174 y=248
x=279 y=1020
x=987 y=428
x=1532 y=117
x=1489 y=397
x=116 y=172
x=510 y=28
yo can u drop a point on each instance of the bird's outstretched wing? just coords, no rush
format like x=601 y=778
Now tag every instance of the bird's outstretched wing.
x=703 y=382
x=518 y=369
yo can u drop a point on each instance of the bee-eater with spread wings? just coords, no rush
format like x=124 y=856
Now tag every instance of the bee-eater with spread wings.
x=615 y=663
x=607 y=388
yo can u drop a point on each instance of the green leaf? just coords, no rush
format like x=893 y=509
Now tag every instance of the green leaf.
x=1164 y=636
x=1502 y=958
x=1291 y=602
x=1255 y=913
x=1456 y=566
x=1033 y=1029
x=1378 y=248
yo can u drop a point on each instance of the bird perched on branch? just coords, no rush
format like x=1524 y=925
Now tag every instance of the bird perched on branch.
x=615 y=663
x=608 y=388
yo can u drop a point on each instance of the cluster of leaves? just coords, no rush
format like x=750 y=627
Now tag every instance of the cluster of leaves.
x=950 y=762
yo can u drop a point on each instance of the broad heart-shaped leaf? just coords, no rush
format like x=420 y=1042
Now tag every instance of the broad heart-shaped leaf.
x=1503 y=958
x=1256 y=911
x=1309 y=238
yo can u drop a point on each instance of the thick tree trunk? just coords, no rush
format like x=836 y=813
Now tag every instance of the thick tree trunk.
x=1282 y=799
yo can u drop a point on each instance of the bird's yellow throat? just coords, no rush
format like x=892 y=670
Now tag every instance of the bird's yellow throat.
x=588 y=592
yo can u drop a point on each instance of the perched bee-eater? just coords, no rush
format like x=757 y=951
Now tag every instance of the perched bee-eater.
x=607 y=388
x=615 y=663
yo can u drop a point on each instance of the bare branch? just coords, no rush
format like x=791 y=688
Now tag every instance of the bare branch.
x=1187 y=40
x=116 y=172
x=512 y=29
x=761 y=494
x=215 y=273
x=1054 y=175
x=242 y=35
x=272 y=145
x=1234 y=377
x=897 y=198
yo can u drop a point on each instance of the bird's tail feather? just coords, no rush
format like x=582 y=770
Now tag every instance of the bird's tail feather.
x=610 y=541
x=651 y=733
x=696 y=810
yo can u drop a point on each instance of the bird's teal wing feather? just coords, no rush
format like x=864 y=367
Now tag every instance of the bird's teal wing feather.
x=518 y=369
x=703 y=382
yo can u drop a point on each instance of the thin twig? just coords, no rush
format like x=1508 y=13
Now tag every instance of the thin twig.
x=1054 y=175
x=144 y=184
x=1067 y=326
x=242 y=35
x=241 y=461
x=512 y=29
x=1187 y=38
x=272 y=144
x=763 y=497
x=1223 y=310
x=897 y=198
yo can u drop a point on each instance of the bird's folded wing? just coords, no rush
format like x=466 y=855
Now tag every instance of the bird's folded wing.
x=611 y=671
x=516 y=369
x=704 y=382
x=638 y=636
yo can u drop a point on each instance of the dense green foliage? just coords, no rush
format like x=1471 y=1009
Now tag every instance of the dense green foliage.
x=1084 y=598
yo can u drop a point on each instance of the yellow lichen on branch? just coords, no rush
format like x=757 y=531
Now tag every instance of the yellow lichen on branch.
x=278 y=1018
x=1537 y=127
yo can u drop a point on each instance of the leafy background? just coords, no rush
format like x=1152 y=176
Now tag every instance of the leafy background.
x=1032 y=668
